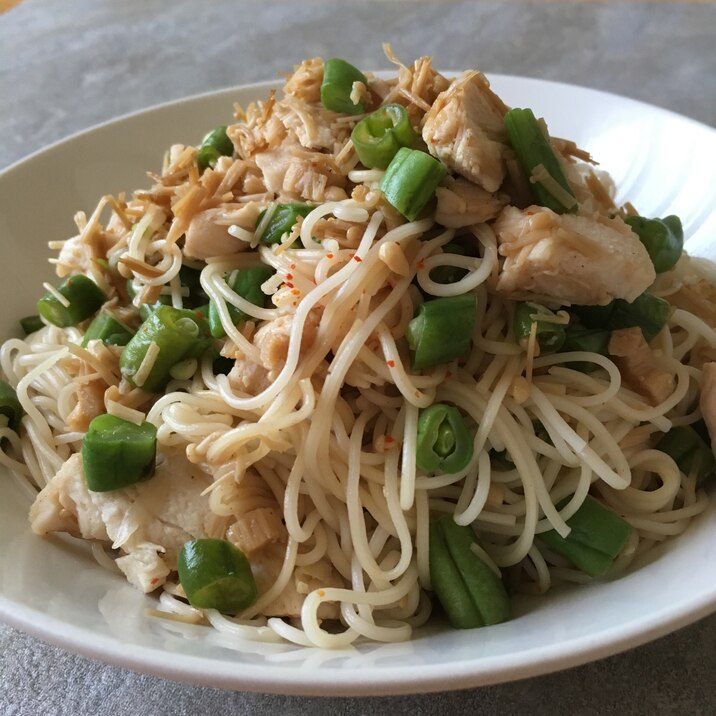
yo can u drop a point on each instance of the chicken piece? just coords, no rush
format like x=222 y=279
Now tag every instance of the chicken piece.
x=272 y=340
x=293 y=173
x=310 y=126
x=156 y=516
x=266 y=566
x=75 y=257
x=207 y=237
x=144 y=567
x=700 y=354
x=260 y=130
x=462 y=203
x=707 y=400
x=416 y=88
x=305 y=82
x=568 y=259
x=698 y=298
x=90 y=393
x=284 y=123
x=257 y=528
x=639 y=366
x=248 y=377
x=90 y=403
x=464 y=128
x=259 y=532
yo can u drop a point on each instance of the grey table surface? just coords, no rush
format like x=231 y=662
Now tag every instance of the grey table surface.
x=68 y=64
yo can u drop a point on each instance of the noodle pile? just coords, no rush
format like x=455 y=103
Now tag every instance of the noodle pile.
x=317 y=419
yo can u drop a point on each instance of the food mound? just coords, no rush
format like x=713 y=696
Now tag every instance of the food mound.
x=379 y=349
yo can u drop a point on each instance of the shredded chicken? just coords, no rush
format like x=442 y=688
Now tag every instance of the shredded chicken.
x=259 y=532
x=266 y=567
x=286 y=122
x=310 y=126
x=569 y=259
x=272 y=340
x=207 y=237
x=698 y=298
x=295 y=173
x=462 y=203
x=416 y=87
x=149 y=521
x=464 y=129
x=701 y=353
x=639 y=366
x=707 y=400
x=90 y=401
x=248 y=377
x=256 y=529
x=305 y=82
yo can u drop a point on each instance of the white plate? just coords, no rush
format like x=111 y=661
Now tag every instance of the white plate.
x=53 y=589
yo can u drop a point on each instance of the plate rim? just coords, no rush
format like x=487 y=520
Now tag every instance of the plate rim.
x=277 y=678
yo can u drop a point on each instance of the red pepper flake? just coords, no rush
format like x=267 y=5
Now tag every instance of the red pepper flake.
x=288 y=284
x=295 y=292
x=289 y=276
x=357 y=258
x=154 y=580
x=390 y=363
x=329 y=256
x=293 y=266
x=389 y=439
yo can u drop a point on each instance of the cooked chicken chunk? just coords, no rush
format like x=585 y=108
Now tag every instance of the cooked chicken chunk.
x=707 y=400
x=310 y=125
x=305 y=82
x=569 y=259
x=149 y=521
x=266 y=566
x=639 y=366
x=416 y=88
x=272 y=340
x=284 y=123
x=90 y=387
x=462 y=203
x=295 y=173
x=248 y=377
x=464 y=128
x=90 y=404
x=257 y=528
x=206 y=237
x=259 y=532
x=698 y=298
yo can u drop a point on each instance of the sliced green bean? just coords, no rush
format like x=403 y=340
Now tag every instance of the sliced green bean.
x=247 y=284
x=444 y=443
x=662 y=238
x=216 y=575
x=337 y=86
x=410 y=181
x=177 y=333
x=117 y=453
x=469 y=591
x=82 y=295
x=442 y=330
x=10 y=406
x=596 y=538
x=108 y=329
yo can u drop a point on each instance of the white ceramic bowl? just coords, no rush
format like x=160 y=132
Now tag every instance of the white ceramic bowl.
x=52 y=588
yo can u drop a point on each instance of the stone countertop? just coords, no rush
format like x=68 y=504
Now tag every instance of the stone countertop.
x=67 y=66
